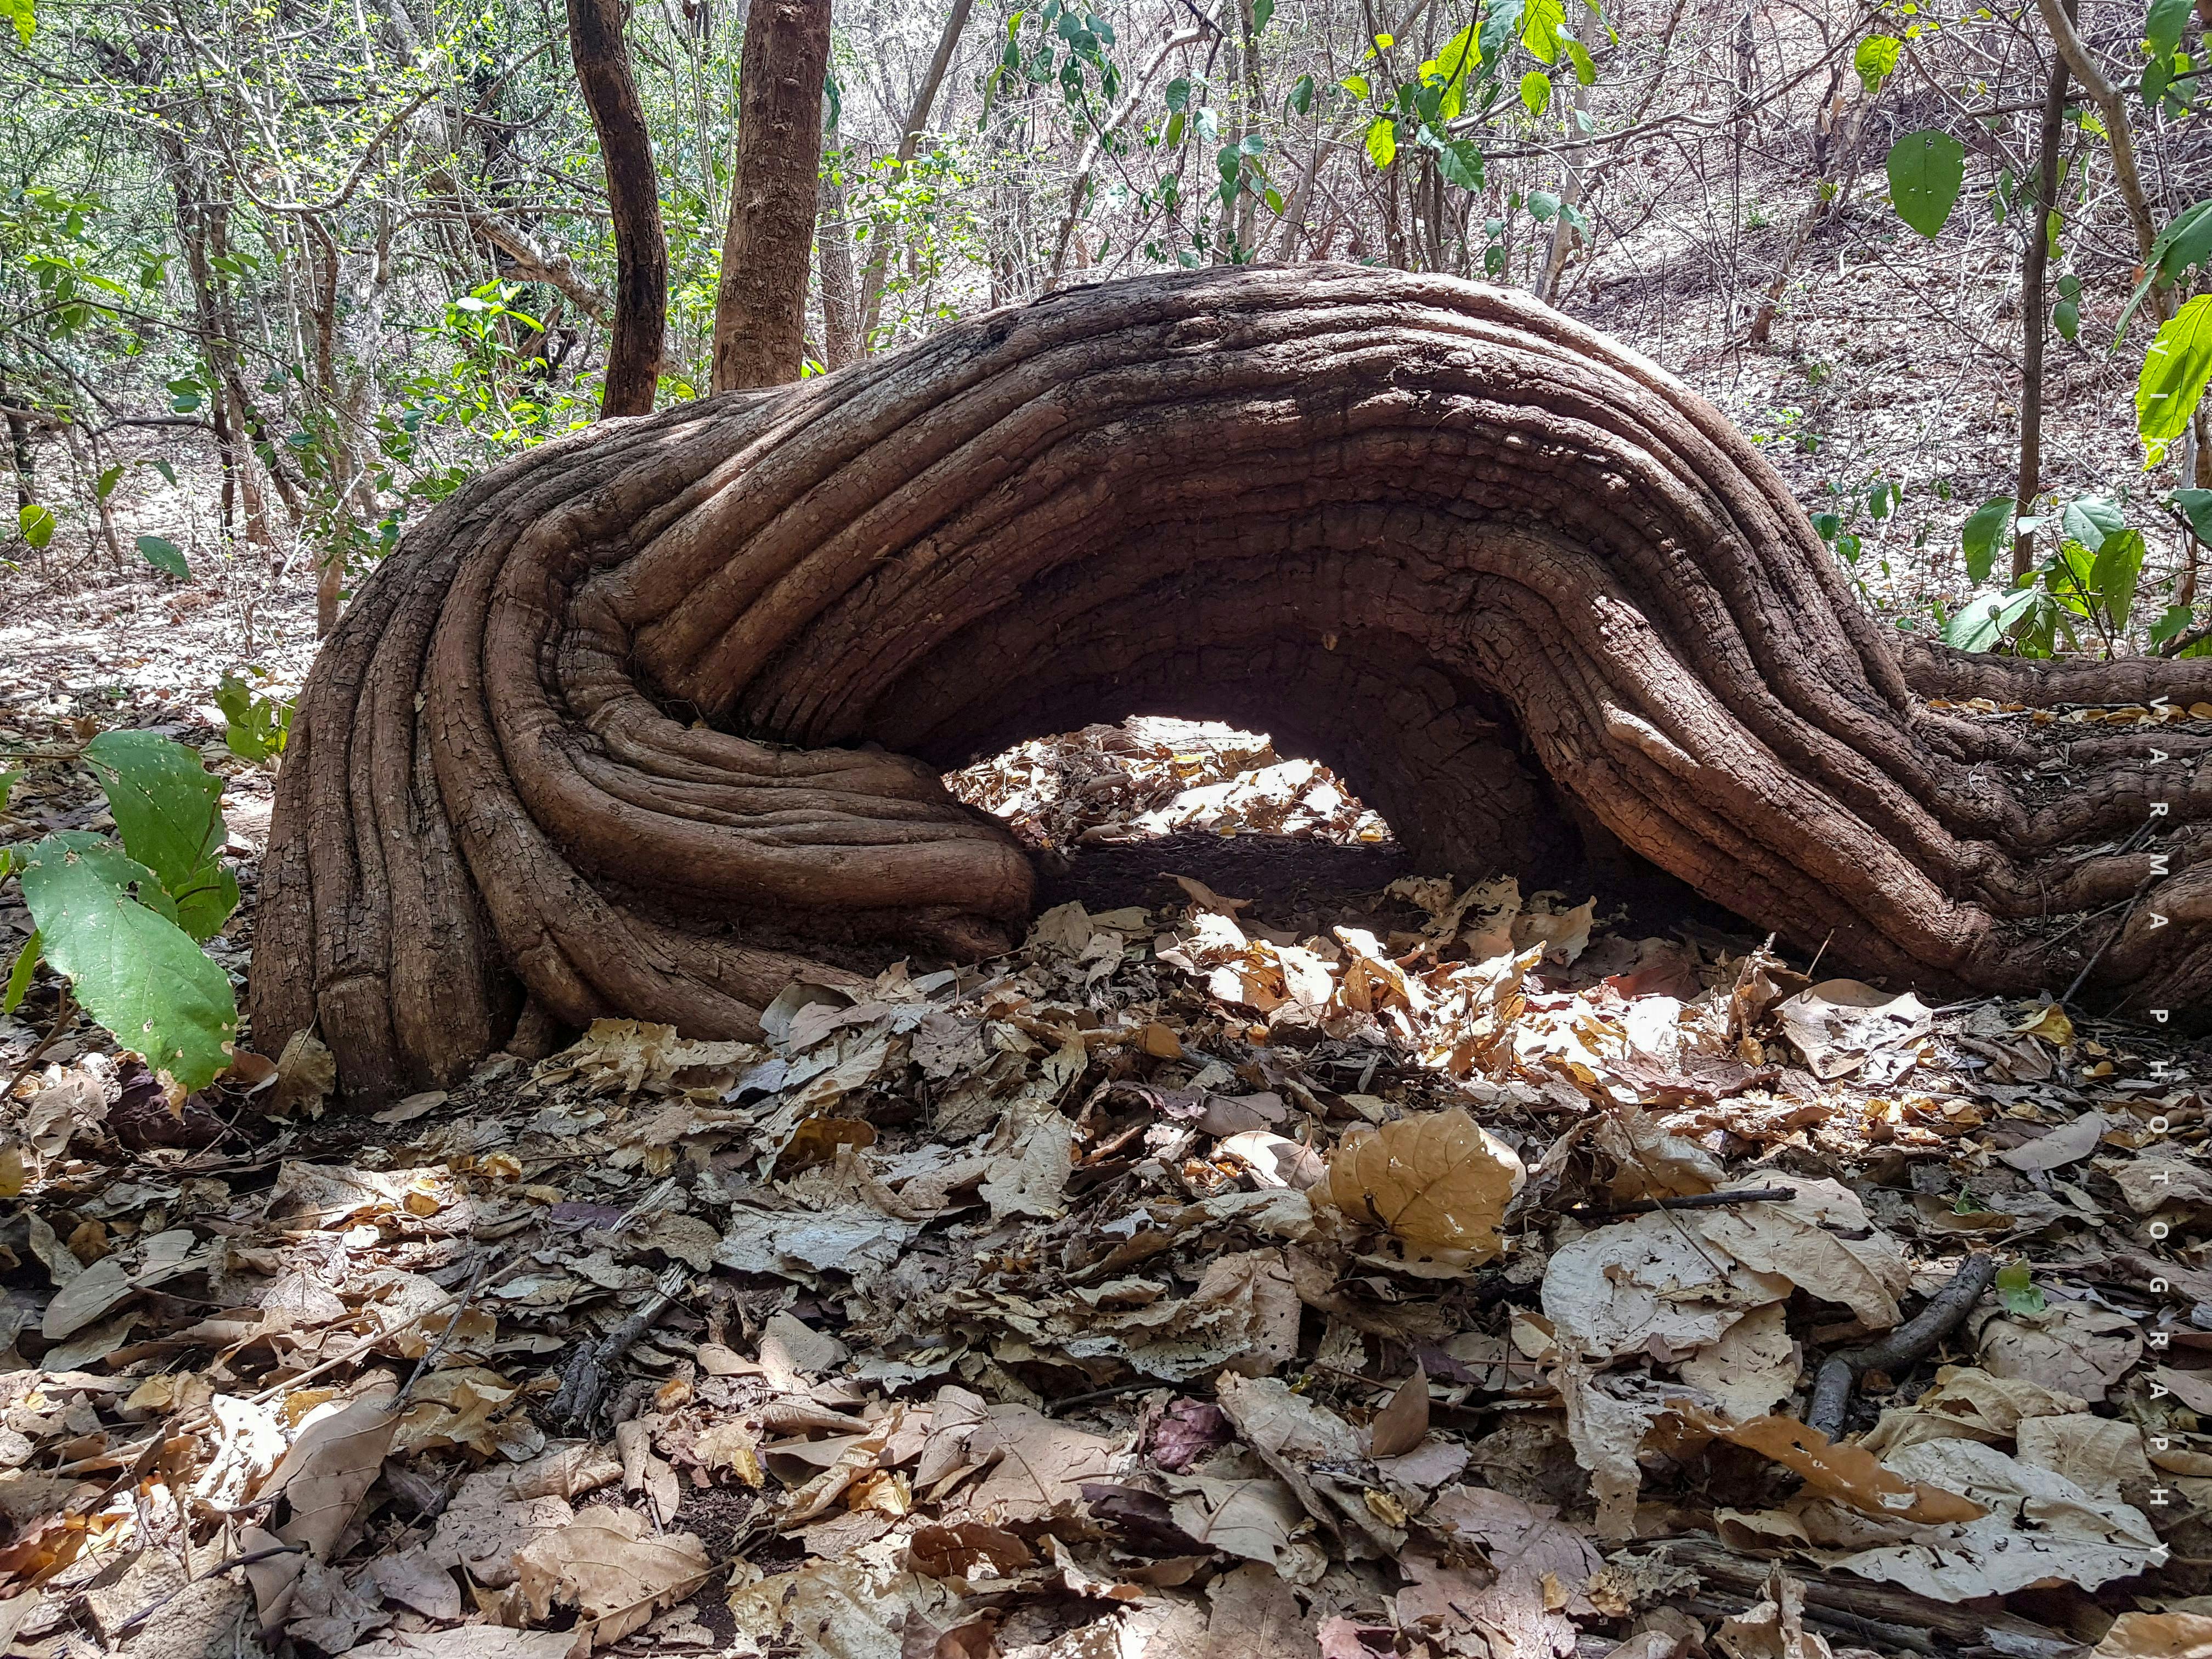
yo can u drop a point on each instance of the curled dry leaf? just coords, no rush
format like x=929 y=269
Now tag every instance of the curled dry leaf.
x=612 y=1569
x=1437 y=1181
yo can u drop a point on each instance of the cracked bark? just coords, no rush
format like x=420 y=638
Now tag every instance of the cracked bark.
x=652 y=718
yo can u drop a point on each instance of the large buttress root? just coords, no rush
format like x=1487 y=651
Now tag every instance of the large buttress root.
x=650 y=719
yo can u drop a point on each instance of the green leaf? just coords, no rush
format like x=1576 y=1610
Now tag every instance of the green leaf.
x=2066 y=317
x=1383 y=140
x=1925 y=171
x=2089 y=520
x=1179 y=93
x=104 y=486
x=24 y=15
x=8 y=780
x=2174 y=372
x=1461 y=163
x=36 y=522
x=165 y=804
x=1500 y=24
x=2195 y=505
x=1542 y=22
x=165 y=554
x=1875 y=58
x=1537 y=91
x=134 y=970
x=1543 y=206
x=19 y=976
x=1983 y=621
x=2016 y=1289
x=2112 y=579
x=1987 y=528
x=1302 y=94
x=1261 y=11
x=2162 y=30
x=1585 y=69
x=2177 y=618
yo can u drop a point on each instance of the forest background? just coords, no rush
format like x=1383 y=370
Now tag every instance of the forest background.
x=275 y=279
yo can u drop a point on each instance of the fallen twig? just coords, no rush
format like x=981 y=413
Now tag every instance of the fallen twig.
x=584 y=1382
x=1689 y=1202
x=1909 y=1343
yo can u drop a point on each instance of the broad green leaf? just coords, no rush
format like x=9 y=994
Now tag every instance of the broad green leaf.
x=19 y=976
x=2184 y=244
x=133 y=969
x=166 y=806
x=1179 y=93
x=1543 y=206
x=1537 y=91
x=104 y=486
x=1461 y=163
x=1500 y=25
x=2175 y=619
x=165 y=554
x=2195 y=505
x=2162 y=29
x=24 y=15
x=1543 y=23
x=1383 y=140
x=1983 y=621
x=1578 y=55
x=8 y=780
x=1261 y=11
x=2089 y=520
x=1925 y=171
x=2112 y=579
x=1875 y=58
x=2174 y=372
x=1987 y=529
x=36 y=522
x=2016 y=1289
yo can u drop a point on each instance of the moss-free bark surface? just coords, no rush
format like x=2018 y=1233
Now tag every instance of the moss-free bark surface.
x=650 y=719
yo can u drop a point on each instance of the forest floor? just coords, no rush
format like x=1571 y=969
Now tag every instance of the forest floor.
x=1347 y=1261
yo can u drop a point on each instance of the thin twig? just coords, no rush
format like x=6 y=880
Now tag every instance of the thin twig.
x=1689 y=1202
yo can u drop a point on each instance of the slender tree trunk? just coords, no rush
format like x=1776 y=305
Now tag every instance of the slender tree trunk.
x=19 y=451
x=840 y=286
x=760 y=309
x=634 y=351
x=1571 y=195
x=917 y=123
x=2034 y=316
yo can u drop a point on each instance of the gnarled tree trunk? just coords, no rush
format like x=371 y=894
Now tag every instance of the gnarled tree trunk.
x=628 y=721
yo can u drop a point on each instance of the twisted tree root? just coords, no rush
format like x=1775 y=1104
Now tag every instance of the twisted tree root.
x=653 y=719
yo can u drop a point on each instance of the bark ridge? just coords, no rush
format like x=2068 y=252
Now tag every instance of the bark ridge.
x=651 y=719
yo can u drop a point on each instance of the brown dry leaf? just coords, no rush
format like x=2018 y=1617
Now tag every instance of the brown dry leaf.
x=1438 y=1181
x=1404 y=1422
x=1822 y=1242
x=1844 y=1472
x=1606 y=1432
x=1775 y=1628
x=1512 y=1533
x=2069 y=1346
x=609 y=1566
x=1256 y=1616
x=1753 y=1368
x=306 y=1071
x=1255 y=1519
x=1648 y=1284
x=2157 y=1636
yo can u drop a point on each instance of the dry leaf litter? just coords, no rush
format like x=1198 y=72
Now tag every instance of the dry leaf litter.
x=1447 y=1280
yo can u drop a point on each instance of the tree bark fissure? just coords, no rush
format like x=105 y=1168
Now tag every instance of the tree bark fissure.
x=647 y=720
